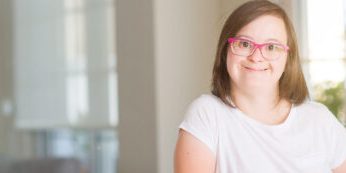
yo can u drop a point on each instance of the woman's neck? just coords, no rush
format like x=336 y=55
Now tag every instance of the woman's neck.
x=263 y=105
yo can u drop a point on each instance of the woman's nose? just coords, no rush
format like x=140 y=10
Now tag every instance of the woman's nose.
x=256 y=56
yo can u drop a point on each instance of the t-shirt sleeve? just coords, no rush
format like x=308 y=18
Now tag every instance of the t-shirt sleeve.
x=338 y=143
x=200 y=121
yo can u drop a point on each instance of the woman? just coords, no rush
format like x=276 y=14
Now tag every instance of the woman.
x=258 y=117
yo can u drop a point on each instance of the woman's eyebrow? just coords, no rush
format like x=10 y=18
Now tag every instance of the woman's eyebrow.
x=266 y=41
x=244 y=36
x=274 y=40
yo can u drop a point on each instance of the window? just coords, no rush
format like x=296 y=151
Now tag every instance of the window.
x=62 y=109
x=324 y=54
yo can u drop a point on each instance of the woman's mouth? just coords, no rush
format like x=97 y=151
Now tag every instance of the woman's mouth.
x=255 y=69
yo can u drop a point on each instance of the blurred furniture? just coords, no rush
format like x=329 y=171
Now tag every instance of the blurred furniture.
x=50 y=165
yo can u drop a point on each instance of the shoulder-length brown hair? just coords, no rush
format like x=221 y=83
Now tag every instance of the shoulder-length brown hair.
x=292 y=85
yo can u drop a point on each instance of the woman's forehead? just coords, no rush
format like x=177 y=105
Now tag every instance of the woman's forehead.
x=265 y=28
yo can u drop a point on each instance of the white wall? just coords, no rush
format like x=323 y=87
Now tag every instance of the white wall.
x=5 y=71
x=185 y=44
x=5 y=53
x=137 y=102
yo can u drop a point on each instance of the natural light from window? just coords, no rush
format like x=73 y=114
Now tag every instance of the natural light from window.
x=326 y=40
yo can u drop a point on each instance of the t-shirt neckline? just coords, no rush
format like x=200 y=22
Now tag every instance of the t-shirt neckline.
x=255 y=122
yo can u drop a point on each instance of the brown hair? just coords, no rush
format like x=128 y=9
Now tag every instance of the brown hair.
x=292 y=85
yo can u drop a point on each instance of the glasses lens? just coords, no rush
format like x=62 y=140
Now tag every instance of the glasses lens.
x=242 y=47
x=273 y=51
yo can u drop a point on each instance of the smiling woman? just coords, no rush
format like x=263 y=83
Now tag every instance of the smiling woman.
x=269 y=30
x=258 y=117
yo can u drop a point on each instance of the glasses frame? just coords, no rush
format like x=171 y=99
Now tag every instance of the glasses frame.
x=256 y=45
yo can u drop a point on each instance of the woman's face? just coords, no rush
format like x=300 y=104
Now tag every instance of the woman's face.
x=254 y=71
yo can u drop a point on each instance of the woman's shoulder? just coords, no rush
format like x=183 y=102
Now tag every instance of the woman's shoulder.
x=207 y=101
x=313 y=106
x=207 y=98
x=314 y=111
x=206 y=105
x=201 y=119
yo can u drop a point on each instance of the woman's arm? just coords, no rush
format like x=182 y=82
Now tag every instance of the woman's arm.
x=341 y=168
x=191 y=155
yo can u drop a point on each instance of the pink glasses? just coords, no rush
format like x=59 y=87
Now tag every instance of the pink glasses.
x=269 y=51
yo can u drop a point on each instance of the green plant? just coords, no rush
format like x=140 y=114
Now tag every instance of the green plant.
x=331 y=94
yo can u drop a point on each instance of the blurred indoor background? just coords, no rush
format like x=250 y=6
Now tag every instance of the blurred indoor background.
x=100 y=86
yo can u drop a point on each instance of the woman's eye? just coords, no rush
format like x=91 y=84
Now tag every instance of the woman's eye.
x=245 y=44
x=273 y=47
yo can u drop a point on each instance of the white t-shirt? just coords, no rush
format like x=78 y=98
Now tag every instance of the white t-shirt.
x=311 y=140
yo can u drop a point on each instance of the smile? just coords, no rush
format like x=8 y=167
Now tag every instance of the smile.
x=255 y=69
